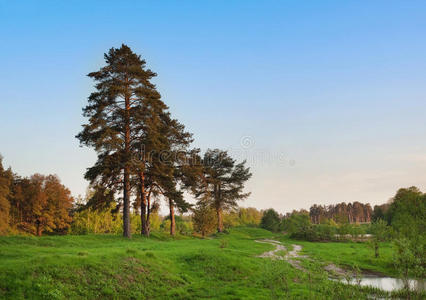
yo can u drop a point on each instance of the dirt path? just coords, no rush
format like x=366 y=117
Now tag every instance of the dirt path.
x=291 y=257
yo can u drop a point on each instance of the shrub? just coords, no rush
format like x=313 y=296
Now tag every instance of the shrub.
x=270 y=220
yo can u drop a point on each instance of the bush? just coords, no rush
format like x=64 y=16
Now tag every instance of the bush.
x=270 y=220
x=91 y=221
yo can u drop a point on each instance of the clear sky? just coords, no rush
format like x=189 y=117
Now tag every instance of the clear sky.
x=327 y=99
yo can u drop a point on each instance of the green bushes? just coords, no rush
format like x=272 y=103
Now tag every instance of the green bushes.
x=321 y=232
x=242 y=216
x=91 y=221
x=270 y=220
x=106 y=220
x=101 y=221
x=295 y=223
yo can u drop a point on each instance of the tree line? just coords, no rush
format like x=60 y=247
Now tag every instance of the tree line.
x=41 y=204
x=355 y=212
x=405 y=213
x=402 y=220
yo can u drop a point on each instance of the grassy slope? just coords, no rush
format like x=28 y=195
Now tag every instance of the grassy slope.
x=106 y=266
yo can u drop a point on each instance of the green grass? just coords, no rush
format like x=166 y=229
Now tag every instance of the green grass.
x=111 y=267
x=350 y=254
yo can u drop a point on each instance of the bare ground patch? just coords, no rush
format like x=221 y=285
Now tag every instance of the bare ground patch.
x=292 y=257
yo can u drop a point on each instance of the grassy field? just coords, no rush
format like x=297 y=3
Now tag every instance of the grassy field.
x=222 y=267
x=350 y=255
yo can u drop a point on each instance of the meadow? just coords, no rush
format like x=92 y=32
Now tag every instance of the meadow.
x=223 y=266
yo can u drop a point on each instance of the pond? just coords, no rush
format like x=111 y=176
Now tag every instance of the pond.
x=388 y=284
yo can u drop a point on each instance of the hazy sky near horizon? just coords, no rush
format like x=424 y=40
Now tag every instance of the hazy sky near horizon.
x=326 y=99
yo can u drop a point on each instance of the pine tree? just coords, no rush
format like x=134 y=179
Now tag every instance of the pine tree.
x=186 y=167
x=115 y=111
x=99 y=198
x=203 y=217
x=224 y=180
x=163 y=143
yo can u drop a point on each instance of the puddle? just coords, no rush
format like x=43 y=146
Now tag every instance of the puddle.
x=388 y=284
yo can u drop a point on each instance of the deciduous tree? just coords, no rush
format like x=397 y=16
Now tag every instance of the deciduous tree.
x=5 y=182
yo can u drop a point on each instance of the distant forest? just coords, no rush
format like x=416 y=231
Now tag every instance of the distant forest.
x=355 y=212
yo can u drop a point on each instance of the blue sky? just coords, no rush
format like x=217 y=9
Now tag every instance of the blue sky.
x=331 y=95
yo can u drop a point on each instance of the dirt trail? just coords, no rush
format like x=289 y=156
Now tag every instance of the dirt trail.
x=291 y=257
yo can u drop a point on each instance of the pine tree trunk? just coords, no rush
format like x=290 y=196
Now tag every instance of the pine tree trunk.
x=126 y=204
x=219 y=220
x=148 y=224
x=144 y=229
x=172 y=219
x=148 y=216
x=126 y=188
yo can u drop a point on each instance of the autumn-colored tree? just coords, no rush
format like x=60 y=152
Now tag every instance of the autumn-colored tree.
x=40 y=204
x=5 y=182
x=59 y=201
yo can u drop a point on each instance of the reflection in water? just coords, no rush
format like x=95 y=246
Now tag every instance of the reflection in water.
x=389 y=284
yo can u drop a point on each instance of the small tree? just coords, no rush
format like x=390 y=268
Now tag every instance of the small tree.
x=407 y=262
x=223 y=180
x=204 y=218
x=270 y=220
x=380 y=232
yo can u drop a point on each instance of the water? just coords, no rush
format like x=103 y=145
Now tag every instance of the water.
x=388 y=284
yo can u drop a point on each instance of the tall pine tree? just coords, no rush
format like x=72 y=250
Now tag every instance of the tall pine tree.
x=114 y=111
x=136 y=138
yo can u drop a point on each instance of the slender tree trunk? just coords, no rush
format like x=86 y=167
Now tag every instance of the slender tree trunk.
x=38 y=228
x=126 y=204
x=218 y=208
x=219 y=220
x=376 y=249
x=172 y=219
x=148 y=215
x=144 y=229
x=126 y=188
